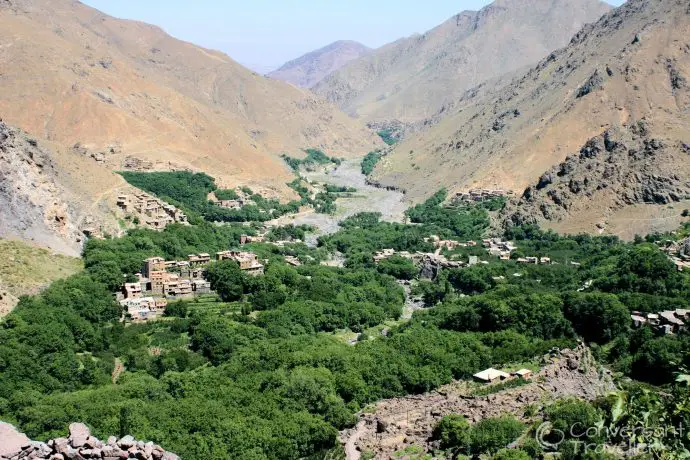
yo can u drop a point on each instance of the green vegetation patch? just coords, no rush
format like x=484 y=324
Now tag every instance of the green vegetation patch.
x=24 y=268
x=388 y=136
x=369 y=162
x=315 y=157
x=498 y=387
x=189 y=191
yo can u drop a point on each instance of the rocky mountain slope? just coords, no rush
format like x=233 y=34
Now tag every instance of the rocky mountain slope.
x=627 y=75
x=45 y=203
x=620 y=168
x=130 y=96
x=308 y=70
x=411 y=79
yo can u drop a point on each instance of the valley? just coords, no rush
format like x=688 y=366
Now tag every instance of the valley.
x=367 y=198
x=200 y=262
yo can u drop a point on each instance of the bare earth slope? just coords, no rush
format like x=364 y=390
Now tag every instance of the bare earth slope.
x=308 y=70
x=71 y=74
x=45 y=203
x=412 y=78
x=627 y=74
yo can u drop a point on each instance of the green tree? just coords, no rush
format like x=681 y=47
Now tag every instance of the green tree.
x=454 y=432
x=227 y=280
x=597 y=317
x=493 y=434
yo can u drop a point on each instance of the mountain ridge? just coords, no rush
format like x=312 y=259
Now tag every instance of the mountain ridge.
x=310 y=68
x=629 y=67
x=412 y=78
x=103 y=82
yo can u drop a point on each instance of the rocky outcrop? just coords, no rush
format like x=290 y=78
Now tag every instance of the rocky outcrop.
x=34 y=204
x=621 y=167
x=401 y=422
x=31 y=205
x=80 y=444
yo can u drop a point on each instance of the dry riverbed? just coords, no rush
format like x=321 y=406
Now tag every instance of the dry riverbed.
x=368 y=198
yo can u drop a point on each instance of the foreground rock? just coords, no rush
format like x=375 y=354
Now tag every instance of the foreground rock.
x=402 y=422
x=79 y=445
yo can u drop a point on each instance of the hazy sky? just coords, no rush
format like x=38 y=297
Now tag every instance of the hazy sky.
x=263 y=34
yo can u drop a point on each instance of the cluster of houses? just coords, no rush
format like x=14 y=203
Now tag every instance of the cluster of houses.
x=448 y=244
x=261 y=238
x=160 y=280
x=422 y=258
x=496 y=247
x=678 y=252
x=479 y=195
x=237 y=203
x=492 y=375
x=668 y=322
x=150 y=211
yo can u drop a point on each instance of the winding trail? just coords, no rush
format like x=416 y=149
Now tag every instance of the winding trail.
x=351 y=450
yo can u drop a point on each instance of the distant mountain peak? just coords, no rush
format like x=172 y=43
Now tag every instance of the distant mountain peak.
x=411 y=79
x=311 y=68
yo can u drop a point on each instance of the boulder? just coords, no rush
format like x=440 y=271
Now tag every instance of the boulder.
x=78 y=434
x=12 y=440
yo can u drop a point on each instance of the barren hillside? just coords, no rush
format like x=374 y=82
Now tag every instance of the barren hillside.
x=627 y=74
x=308 y=70
x=412 y=78
x=49 y=198
x=132 y=96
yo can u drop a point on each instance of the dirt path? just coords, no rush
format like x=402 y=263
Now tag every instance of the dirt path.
x=351 y=452
x=118 y=370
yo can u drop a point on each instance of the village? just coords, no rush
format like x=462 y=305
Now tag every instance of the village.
x=431 y=262
x=479 y=195
x=149 y=211
x=678 y=252
x=160 y=281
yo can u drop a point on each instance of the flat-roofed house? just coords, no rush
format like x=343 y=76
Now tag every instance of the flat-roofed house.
x=153 y=264
x=132 y=290
x=201 y=287
x=638 y=321
x=669 y=318
x=653 y=318
x=491 y=375
x=523 y=374
x=199 y=259
x=248 y=261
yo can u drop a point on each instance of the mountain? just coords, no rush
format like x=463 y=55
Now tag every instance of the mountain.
x=51 y=198
x=598 y=130
x=308 y=70
x=412 y=78
x=128 y=95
